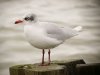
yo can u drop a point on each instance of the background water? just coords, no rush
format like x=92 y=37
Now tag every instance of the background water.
x=14 y=49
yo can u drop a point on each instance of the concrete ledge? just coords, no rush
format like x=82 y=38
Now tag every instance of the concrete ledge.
x=66 y=67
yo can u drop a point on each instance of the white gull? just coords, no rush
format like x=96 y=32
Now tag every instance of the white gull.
x=46 y=35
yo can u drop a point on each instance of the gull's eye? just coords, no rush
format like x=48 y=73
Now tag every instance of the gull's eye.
x=26 y=18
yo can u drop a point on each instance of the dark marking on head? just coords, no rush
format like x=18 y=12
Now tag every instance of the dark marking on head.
x=30 y=17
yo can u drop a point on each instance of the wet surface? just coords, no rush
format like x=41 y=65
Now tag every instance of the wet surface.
x=14 y=49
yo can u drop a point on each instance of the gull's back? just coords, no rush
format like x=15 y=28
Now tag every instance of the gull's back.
x=57 y=32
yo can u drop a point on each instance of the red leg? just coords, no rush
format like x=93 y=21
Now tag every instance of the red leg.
x=43 y=57
x=49 y=57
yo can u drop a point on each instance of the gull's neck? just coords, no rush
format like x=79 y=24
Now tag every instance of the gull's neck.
x=30 y=26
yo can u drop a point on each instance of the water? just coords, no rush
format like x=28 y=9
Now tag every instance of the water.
x=14 y=49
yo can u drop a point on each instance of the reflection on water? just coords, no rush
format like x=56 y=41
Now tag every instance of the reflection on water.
x=14 y=49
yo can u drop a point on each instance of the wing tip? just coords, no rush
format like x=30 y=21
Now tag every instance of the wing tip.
x=78 y=28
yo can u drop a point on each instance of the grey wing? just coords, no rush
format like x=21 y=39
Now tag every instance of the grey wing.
x=56 y=32
x=69 y=32
x=59 y=33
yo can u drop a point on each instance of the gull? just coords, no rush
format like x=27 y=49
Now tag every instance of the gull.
x=45 y=35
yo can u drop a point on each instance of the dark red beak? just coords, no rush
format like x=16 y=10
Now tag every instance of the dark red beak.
x=18 y=21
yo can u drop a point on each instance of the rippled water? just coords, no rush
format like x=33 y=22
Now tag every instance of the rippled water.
x=14 y=49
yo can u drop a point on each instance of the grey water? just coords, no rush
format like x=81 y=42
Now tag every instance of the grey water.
x=14 y=49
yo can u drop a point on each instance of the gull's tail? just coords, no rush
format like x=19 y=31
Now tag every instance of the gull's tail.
x=78 y=28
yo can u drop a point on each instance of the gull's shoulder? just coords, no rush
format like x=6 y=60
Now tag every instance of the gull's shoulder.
x=49 y=26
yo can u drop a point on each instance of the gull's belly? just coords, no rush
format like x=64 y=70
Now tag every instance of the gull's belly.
x=41 y=42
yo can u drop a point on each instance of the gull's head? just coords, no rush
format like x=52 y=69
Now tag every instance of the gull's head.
x=27 y=19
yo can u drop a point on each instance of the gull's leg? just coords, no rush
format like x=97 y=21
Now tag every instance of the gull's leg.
x=43 y=52
x=49 y=57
